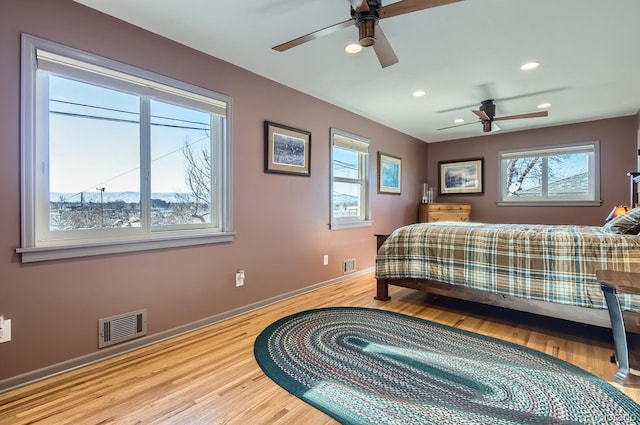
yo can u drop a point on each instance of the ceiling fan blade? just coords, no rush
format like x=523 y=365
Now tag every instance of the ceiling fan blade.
x=384 y=51
x=408 y=6
x=483 y=115
x=359 y=5
x=458 y=125
x=529 y=115
x=312 y=36
x=486 y=94
x=521 y=96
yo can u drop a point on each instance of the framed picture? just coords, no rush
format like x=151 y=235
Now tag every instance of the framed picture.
x=287 y=150
x=463 y=176
x=389 y=174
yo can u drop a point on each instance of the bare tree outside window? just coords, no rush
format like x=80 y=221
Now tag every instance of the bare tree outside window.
x=198 y=179
x=521 y=169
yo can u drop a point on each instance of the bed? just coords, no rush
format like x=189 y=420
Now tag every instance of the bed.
x=541 y=269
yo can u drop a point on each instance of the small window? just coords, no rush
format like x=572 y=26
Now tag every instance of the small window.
x=565 y=174
x=116 y=158
x=349 y=180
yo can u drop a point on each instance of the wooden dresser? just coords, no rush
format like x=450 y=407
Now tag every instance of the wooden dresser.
x=428 y=213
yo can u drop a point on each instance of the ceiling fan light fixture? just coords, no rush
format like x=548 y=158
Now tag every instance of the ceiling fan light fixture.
x=530 y=65
x=366 y=31
x=367 y=41
x=489 y=126
x=353 y=48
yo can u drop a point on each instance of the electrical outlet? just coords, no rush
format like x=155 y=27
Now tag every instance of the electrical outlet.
x=325 y=260
x=5 y=333
x=240 y=278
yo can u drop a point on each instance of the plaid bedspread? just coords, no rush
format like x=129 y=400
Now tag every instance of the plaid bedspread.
x=542 y=262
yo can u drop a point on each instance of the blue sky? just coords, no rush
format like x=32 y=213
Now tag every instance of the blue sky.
x=89 y=153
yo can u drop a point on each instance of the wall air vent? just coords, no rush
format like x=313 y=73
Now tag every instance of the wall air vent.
x=123 y=327
x=349 y=266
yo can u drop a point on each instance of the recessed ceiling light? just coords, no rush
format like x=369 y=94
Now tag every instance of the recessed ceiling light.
x=419 y=93
x=544 y=105
x=458 y=121
x=353 y=48
x=530 y=65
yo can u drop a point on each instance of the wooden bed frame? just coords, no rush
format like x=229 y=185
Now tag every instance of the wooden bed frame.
x=585 y=315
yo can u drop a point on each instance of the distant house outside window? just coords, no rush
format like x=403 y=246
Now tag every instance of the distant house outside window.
x=565 y=174
x=350 y=203
x=116 y=158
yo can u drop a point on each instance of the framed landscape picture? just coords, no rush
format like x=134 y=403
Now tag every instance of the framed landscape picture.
x=389 y=174
x=463 y=176
x=287 y=150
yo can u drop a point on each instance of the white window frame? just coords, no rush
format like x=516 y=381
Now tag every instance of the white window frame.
x=346 y=140
x=592 y=148
x=34 y=159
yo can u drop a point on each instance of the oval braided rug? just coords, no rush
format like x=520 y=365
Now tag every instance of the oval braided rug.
x=369 y=366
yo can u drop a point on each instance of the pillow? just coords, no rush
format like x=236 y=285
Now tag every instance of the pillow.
x=625 y=224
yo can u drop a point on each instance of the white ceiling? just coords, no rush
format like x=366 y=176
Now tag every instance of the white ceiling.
x=460 y=54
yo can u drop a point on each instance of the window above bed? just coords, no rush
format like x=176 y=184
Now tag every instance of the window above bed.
x=559 y=175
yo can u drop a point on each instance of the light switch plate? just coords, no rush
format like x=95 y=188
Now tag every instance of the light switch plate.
x=6 y=331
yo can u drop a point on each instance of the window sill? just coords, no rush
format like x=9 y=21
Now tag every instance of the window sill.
x=549 y=203
x=30 y=255
x=350 y=224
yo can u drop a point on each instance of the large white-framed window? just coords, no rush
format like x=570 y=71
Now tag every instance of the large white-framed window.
x=350 y=200
x=115 y=158
x=562 y=175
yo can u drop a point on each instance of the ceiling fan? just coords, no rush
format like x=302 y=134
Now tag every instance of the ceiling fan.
x=487 y=115
x=365 y=15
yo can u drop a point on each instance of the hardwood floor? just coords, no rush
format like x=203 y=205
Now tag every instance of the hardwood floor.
x=210 y=376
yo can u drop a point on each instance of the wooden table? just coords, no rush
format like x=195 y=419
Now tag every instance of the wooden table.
x=612 y=284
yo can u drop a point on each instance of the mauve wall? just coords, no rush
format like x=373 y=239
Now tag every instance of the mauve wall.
x=638 y=139
x=617 y=157
x=281 y=221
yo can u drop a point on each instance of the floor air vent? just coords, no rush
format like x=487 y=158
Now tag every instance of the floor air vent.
x=123 y=327
x=349 y=266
